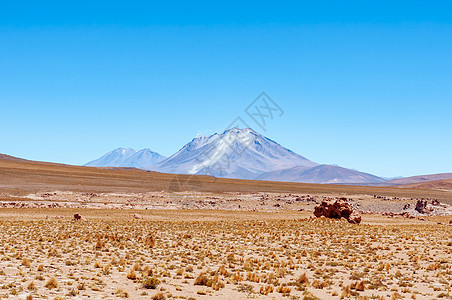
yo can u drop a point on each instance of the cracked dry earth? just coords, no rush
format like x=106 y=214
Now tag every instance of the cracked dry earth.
x=293 y=259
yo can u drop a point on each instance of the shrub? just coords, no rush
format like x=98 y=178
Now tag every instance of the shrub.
x=302 y=279
x=159 y=296
x=132 y=275
x=32 y=286
x=121 y=293
x=151 y=283
x=51 y=283
x=202 y=279
x=26 y=262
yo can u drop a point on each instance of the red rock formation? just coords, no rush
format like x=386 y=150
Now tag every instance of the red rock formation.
x=336 y=210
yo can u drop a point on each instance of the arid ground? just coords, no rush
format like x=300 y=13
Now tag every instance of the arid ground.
x=160 y=236
x=228 y=255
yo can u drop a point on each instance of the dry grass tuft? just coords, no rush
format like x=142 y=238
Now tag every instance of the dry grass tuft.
x=151 y=283
x=51 y=283
x=236 y=259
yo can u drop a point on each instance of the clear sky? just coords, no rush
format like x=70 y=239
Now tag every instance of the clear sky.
x=363 y=84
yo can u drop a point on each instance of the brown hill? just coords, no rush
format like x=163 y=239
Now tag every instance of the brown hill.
x=420 y=179
x=21 y=177
x=9 y=157
x=432 y=185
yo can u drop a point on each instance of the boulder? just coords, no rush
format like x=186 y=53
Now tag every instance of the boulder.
x=77 y=217
x=421 y=207
x=354 y=218
x=337 y=209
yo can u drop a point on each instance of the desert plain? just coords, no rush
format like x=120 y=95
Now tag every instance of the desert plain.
x=146 y=235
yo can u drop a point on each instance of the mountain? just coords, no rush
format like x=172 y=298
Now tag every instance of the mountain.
x=321 y=174
x=113 y=158
x=143 y=159
x=20 y=176
x=127 y=157
x=235 y=153
x=420 y=179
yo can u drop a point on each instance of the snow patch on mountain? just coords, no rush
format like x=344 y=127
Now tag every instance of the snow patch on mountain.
x=128 y=157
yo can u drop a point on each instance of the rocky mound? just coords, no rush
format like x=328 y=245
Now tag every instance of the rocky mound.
x=433 y=207
x=337 y=209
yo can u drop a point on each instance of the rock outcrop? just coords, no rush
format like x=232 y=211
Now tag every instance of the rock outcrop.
x=421 y=207
x=337 y=209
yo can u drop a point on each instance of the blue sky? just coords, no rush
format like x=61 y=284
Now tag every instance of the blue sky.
x=366 y=85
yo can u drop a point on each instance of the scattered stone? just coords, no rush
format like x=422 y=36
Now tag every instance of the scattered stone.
x=137 y=216
x=354 y=218
x=435 y=202
x=405 y=214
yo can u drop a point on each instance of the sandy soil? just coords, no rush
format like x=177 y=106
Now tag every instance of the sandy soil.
x=199 y=254
x=143 y=237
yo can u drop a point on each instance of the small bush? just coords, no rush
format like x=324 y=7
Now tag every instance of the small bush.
x=302 y=279
x=159 y=296
x=121 y=293
x=151 y=283
x=202 y=279
x=32 y=286
x=26 y=262
x=132 y=275
x=51 y=283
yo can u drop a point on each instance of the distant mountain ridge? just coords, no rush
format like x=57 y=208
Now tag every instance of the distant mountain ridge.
x=445 y=184
x=128 y=157
x=236 y=153
x=420 y=179
x=327 y=174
